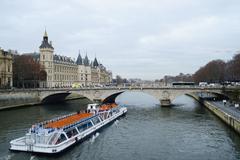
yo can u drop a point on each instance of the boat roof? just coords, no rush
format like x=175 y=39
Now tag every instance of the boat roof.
x=68 y=120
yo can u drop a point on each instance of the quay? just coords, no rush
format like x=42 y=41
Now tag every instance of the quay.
x=225 y=111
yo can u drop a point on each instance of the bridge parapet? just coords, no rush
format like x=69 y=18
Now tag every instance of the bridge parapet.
x=115 y=88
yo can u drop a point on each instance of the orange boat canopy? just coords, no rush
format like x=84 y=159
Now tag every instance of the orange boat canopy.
x=68 y=120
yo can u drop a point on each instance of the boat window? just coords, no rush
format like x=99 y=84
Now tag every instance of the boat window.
x=61 y=138
x=84 y=126
x=95 y=120
x=116 y=110
x=71 y=133
x=53 y=138
x=89 y=124
x=100 y=118
x=105 y=115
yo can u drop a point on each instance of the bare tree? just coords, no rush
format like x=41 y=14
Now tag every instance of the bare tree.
x=26 y=71
x=119 y=80
x=213 y=71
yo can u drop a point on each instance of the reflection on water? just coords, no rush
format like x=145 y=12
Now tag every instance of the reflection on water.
x=137 y=99
x=184 y=131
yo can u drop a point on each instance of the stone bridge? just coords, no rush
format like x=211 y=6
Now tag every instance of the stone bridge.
x=102 y=93
x=34 y=96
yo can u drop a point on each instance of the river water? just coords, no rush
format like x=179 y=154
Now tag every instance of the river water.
x=148 y=131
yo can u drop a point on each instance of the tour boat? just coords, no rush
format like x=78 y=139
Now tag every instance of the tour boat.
x=54 y=136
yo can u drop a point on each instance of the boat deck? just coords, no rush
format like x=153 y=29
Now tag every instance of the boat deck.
x=68 y=120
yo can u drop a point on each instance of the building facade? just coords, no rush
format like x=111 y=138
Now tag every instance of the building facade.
x=6 y=75
x=84 y=71
x=63 y=71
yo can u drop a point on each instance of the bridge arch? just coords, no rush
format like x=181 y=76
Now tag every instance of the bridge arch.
x=56 y=97
x=111 y=98
x=61 y=96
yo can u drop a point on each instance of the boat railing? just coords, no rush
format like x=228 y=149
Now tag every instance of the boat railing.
x=54 y=120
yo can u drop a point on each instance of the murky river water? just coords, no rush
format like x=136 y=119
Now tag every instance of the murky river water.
x=185 y=131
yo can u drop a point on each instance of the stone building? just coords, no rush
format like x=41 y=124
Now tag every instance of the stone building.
x=62 y=71
x=6 y=60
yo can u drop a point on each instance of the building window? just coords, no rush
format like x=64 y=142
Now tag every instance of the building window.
x=43 y=57
x=9 y=81
x=9 y=68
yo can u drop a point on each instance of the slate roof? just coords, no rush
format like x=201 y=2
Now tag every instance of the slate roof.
x=62 y=58
x=79 y=60
x=86 y=61
x=45 y=43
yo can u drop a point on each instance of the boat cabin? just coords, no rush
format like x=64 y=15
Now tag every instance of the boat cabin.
x=92 y=108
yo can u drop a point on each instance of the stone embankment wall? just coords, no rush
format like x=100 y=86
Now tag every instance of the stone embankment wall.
x=19 y=99
x=225 y=117
x=16 y=99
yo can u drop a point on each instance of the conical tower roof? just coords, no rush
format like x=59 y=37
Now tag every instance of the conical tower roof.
x=86 y=61
x=79 y=59
x=95 y=62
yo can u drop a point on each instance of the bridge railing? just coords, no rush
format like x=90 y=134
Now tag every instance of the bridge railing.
x=117 y=88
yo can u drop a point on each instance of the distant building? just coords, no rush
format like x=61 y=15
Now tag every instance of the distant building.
x=6 y=74
x=168 y=80
x=99 y=74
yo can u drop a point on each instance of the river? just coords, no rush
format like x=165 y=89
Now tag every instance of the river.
x=148 y=131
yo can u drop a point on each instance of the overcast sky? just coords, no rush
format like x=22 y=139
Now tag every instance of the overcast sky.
x=134 y=38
